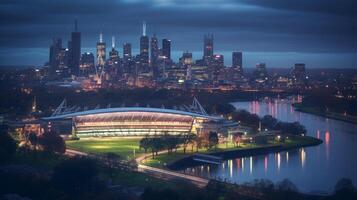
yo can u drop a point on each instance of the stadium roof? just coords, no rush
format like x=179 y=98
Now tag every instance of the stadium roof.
x=131 y=109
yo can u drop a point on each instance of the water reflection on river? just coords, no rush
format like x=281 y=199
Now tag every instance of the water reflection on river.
x=312 y=169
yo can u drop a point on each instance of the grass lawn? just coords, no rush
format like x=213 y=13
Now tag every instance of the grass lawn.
x=164 y=159
x=122 y=146
x=125 y=148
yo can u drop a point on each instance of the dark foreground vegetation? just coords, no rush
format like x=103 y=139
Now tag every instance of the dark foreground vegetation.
x=45 y=173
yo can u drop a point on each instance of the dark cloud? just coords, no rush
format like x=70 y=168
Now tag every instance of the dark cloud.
x=249 y=25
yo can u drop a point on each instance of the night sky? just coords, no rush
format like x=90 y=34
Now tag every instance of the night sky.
x=320 y=33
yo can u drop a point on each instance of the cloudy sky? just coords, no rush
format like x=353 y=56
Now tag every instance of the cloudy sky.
x=320 y=33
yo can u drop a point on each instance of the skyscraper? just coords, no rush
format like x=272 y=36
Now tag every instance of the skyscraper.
x=113 y=69
x=154 y=55
x=54 y=49
x=216 y=66
x=126 y=52
x=87 y=64
x=237 y=61
x=186 y=58
x=144 y=48
x=114 y=54
x=75 y=49
x=166 y=48
x=298 y=73
x=101 y=52
x=127 y=59
x=260 y=72
x=207 y=48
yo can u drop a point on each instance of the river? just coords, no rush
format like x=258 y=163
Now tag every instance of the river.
x=312 y=169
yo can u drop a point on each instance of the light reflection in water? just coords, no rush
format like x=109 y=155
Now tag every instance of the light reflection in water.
x=279 y=160
x=251 y=165
x=230 y=164
x=302 y=157
x=319 y=172
x=266 y=164
x=327 y=137
x=327 y=146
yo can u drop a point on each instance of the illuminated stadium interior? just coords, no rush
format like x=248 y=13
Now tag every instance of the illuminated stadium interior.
x=138 y=121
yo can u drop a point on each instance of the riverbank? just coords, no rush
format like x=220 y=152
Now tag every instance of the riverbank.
x=331 y=115
x=179 y=160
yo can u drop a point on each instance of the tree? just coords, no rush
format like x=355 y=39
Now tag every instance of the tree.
x=187 y=139
x=7 y=147
x=50 y=142
x=245 y=117
x=112 y=160
x=75 y=175
x=286 y=185
x=294 y=128
x=344 y=185
x=345 y=189
x=269 y=122
x=237 y=139
x=224 y=108
x=32 y=140
x=169 y=142
x=212 y=139
x=145 y=143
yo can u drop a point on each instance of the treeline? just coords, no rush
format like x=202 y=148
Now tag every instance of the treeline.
x=172 y=142
x=326 y=101
x=267 y=122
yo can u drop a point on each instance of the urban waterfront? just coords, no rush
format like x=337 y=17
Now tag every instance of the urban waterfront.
x=313 y=169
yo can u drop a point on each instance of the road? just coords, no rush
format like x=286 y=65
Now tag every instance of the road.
x=153 y=171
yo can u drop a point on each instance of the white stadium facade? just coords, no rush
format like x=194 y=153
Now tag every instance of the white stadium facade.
x=139 y=121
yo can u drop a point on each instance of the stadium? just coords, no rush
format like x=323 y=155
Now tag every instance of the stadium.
x=138 y=121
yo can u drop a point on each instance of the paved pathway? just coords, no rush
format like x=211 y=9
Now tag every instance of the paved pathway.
x=157 y=172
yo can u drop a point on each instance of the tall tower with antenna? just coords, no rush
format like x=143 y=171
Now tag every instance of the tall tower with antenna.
x=144 y=28
x=144 y=49
x=113 y=54
x=101 y=52
x=113 y=42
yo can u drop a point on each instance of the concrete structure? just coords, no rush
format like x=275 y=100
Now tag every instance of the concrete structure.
x=139 y=121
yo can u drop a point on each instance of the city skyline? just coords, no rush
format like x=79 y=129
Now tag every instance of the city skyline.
x=278 y=34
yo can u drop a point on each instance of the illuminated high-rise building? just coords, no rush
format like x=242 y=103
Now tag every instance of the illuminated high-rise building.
x=55 y=48
x=186 y=63
x=216 y=66
x=237 y=61
x=144 y=48
x=207 y=48
x=186 y=59
x=127 y=58
x=101 y=52
x=114 y=62
x=154 y=55
x=127 y=52
x=260 y=72
x=166 y=48
x=87 y=64
x=113 y=54
x=75 y=49
x=298 y=73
